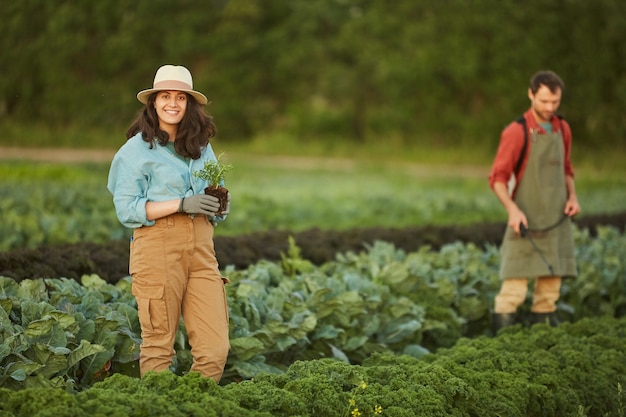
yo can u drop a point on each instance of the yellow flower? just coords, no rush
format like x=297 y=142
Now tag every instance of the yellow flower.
x=378 y=409
x=352 y=402
x=356 y=412
x=363 y=384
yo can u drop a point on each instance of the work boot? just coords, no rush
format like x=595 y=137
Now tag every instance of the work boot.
x=501 y=320
x=546 y=318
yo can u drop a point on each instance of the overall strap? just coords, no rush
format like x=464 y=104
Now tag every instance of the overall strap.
x=522 y=121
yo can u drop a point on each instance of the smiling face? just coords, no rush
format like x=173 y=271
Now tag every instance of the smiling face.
x=170 y=107
x=544 y=103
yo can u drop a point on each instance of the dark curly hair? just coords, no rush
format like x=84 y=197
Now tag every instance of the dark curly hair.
x=194 y=131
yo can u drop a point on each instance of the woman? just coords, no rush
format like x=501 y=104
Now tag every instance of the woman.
x=172 y=258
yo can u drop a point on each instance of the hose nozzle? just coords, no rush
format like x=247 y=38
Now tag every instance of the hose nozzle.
x=522 y=230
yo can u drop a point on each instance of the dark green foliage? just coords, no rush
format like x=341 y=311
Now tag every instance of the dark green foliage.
x=57 y=332
x=266 y=395
x=555 y=369
x=162 y=394
x=538 y=371
x=447 y=72
x=541 y=371
x=41 y=402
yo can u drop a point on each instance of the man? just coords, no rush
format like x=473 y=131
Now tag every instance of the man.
x=533 y=177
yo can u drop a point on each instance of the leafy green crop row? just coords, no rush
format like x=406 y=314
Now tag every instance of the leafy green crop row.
x=60 y=333
x=575 y=370
x=48 y=203
x=56 y=332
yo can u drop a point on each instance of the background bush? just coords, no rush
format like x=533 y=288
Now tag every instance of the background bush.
x=432 y=72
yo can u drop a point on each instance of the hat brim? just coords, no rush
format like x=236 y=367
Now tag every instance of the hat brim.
x=142 y=96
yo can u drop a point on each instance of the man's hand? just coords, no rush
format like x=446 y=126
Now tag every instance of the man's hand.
x=199 y=204
x=572 y=207
x=516 y=216
x=516 y=219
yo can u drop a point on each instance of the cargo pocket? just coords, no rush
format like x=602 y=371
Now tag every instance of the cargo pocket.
x=152 y=308
x=144 y=251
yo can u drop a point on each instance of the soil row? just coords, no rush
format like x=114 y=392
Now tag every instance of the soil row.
x=110 y=260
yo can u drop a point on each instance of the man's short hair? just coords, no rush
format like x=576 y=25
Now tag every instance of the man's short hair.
x=548 y=78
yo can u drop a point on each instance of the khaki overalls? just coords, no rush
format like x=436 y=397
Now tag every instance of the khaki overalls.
x=541 y=195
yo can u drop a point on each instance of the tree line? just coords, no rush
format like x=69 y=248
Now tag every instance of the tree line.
x=447 y=72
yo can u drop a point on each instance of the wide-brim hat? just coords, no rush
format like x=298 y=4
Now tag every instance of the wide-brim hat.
x=174 y=78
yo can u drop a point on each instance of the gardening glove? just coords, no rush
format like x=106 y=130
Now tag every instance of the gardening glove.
x=199 y=204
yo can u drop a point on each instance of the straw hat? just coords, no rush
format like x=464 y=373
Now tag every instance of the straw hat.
x=172 y=77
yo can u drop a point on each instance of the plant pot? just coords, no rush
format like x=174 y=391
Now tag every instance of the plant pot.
x=221 y=193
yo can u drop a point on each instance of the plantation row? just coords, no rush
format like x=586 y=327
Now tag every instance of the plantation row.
x=574 y=370
x=59 y=332
x=52 y=204
x=109 y=260
x=319 y=317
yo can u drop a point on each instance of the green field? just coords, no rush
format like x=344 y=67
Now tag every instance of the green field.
x=289 y=318
x=47 y=202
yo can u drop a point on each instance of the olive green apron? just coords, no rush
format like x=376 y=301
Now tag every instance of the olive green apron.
x=541 y=195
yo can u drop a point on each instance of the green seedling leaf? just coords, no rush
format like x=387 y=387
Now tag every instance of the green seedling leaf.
x=214 y=172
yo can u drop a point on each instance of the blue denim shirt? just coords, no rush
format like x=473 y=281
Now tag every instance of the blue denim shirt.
x=139 y=174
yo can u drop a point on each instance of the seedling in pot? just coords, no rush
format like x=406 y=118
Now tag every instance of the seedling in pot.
x=214 y=172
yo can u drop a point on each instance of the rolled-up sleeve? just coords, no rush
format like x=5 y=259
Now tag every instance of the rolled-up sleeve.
x=140 y=173
x=129 y=186
x=509 y=149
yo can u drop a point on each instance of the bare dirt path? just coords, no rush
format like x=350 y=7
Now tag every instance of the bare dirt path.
x=57 y=155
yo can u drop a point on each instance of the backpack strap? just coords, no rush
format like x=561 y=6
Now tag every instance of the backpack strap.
x=518 y=166
x=522 y=121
